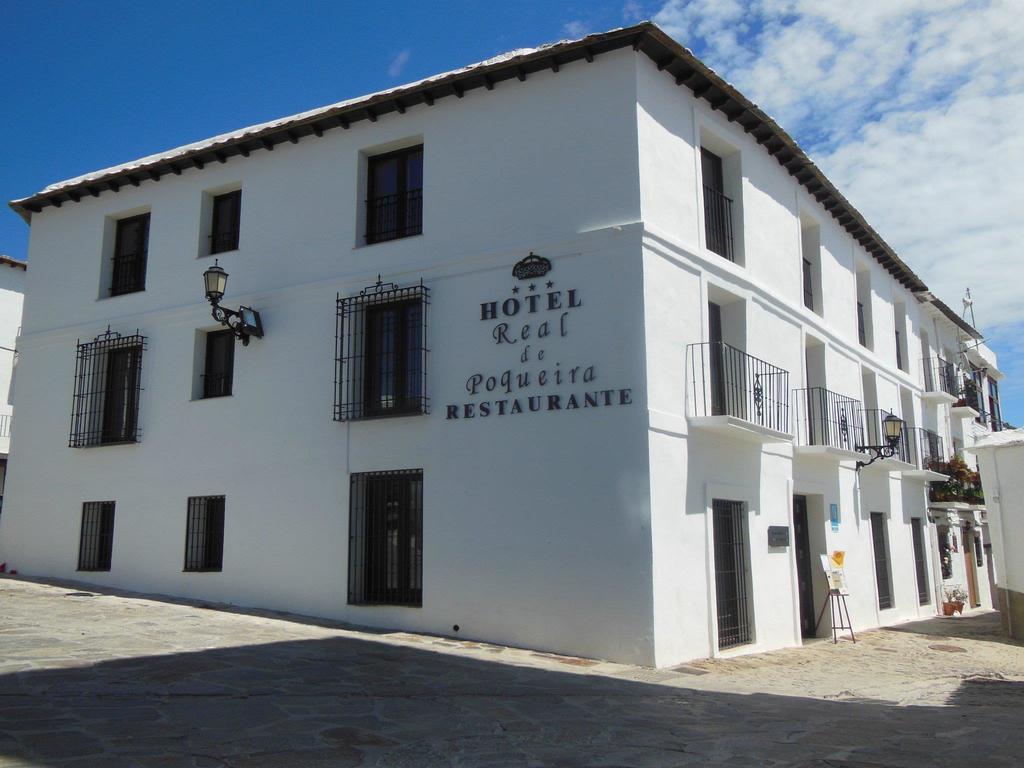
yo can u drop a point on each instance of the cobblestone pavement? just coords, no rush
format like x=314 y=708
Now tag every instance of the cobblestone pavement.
x=99 y=679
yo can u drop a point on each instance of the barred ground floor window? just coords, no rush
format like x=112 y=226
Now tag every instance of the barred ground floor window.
x=96 y=543
x=204 y=534
x=385 y=553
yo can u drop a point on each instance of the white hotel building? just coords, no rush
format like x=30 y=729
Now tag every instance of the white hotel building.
x=550 y=344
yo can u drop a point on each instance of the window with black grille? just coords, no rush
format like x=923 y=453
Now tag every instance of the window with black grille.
x=731 y=601
x=880 y=542
x=131 y=246
x=105 y=406
x=204 y=534
x=227 y=213
x=381 y=353
x=385 y=538
x=394 y=200
x=220 y=363
x=97 y=538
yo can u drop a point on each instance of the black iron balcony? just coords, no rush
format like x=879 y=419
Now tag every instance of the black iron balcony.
x=825 y=418
x=874 y=433
x=940 y=376
x=928 y=448
x=718 y=222
x=389 y=217
x=725 y=381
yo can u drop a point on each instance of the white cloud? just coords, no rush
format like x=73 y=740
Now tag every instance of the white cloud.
x=397 y=65
x=912 y=108
x=576 y=28
x=632 y=12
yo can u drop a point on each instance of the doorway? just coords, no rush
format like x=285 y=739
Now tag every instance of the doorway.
x=802 y=551
x=967 y=537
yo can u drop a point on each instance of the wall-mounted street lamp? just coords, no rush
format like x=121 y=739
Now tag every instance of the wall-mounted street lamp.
x=244 y=322
x=892 y=428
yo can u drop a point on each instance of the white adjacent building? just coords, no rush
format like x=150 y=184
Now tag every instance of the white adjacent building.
x=573 y=349
x=12 y=290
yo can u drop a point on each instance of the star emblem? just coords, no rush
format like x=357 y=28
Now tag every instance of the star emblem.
x=533 y=287
x=550 y=283
x=515 y=289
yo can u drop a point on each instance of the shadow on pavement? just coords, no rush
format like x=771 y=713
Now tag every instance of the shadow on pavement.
x=344 y=701
x=982 y=625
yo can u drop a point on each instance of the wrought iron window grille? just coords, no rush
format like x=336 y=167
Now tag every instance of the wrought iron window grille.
x=97 y=536
x=385 y=557
x=880 y=545
x=108 y=384
x=732 y=604
x=381 y=352
x=204 y=534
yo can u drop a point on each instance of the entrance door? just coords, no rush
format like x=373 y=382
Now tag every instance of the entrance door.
x=802 y=549
x=967 y=537
x=730 y=573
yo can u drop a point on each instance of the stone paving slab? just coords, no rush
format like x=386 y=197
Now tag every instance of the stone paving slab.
x=90 y=678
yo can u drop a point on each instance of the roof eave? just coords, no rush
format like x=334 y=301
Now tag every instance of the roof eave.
x=666 y=53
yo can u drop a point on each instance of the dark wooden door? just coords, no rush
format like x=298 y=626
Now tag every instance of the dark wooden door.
x=802 y=551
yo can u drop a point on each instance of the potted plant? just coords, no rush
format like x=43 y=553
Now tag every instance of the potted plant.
x=955 y=598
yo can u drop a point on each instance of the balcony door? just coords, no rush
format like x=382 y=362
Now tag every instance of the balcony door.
x=728 y=370
x=802 y=550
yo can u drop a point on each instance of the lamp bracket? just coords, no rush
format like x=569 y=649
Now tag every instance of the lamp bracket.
x=244 y=322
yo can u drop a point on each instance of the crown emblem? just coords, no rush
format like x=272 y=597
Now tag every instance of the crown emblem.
x=530 y=267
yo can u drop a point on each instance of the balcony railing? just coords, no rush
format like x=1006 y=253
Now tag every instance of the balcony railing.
x=725 y=381
x=5 y=424
x=928 y=448
x=940 y=376
x=874 y=433
x=970 y=396
x=389 y=217
x=718 y=222
x=826 y=418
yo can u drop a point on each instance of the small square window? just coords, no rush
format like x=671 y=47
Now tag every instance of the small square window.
x=218 y=370
x=227 y=211
x=204 y=535
x=97 y=537
x=131 y=247
x=394 y=199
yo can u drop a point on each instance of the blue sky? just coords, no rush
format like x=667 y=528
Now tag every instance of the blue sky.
x=897 y=102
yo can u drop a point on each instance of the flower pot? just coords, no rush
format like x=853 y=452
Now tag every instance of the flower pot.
x=959 y=608
x=948 y=609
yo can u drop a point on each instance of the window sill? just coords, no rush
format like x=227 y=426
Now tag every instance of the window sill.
x=364 y=244
x=218 y=254
x=106 y=444
x=202 y=570
x=212 y=397
x=119 y=295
